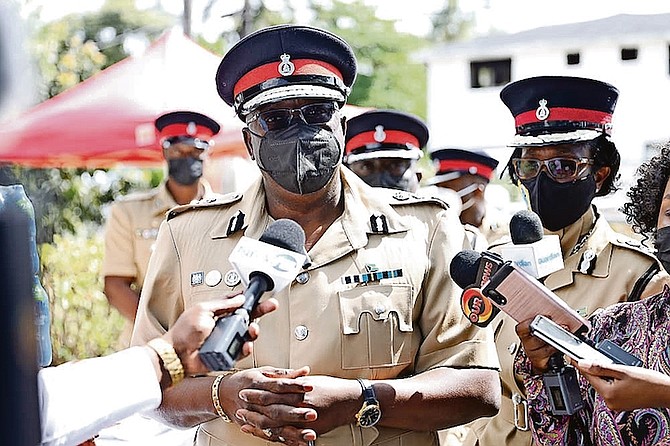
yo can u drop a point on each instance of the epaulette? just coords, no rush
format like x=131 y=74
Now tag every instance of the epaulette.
x=218 y=200
x=140 y=195
x=401 y=197
x=631 y=243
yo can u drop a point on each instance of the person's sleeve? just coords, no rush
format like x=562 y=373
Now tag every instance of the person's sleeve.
x=78 y=399
x=547 y=428
x=161 y=301
x=450 y=340
x=119 y=244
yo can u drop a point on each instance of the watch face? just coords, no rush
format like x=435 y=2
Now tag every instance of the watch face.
x=369 y=416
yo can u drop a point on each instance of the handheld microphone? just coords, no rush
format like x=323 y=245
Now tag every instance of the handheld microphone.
x=268 y=264
x=470 y=270
x=537 y=254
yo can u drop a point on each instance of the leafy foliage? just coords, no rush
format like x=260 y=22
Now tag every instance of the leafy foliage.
x=450 y=23
x=387 y=77
x=83 y=324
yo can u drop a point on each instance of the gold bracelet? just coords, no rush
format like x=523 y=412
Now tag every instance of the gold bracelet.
x=215 y=397
x=170 y=359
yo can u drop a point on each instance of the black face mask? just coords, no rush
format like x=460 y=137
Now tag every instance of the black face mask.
x=560 y=204
x=185 y=171
x=386 y=179
x=301 y=158
x=662 y=245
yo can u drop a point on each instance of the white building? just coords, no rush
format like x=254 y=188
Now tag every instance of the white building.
x=632 y=52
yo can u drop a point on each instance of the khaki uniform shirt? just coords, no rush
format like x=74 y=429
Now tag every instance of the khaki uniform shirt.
x=130 y=234
x=131 y=231
x=392 y=328
x=610 y=278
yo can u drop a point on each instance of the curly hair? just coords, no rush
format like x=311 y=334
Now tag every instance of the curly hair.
x=646 y=195
x=605 y=154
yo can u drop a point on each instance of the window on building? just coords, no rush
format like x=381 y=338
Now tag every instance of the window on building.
x=490 y=73
x=628 y=53
x=572 y=59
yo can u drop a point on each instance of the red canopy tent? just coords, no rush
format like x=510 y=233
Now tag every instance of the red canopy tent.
x=108 y=119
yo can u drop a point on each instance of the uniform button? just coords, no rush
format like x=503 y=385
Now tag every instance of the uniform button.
x=302 y=278
x=300 y=332
x=512 y=348
x=379 y=309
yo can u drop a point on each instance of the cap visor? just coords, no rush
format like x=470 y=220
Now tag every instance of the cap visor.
x=410 y=154
x=444 y=177
x=291 y=92
x=551 y=139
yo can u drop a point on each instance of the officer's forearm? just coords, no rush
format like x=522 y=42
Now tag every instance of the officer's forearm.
x=188 y=404
x=438 y=398
x=121 y=296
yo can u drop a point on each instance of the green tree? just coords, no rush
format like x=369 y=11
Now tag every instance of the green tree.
x=387 y=75
x=67 y=52
x=450 y=23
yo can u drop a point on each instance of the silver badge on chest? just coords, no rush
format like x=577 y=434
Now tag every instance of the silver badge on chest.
x=213 y=278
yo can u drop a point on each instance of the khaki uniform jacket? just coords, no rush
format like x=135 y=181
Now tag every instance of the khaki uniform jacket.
x=396 y=327
x=619 y=263
x=131 y=230
x=130 y=235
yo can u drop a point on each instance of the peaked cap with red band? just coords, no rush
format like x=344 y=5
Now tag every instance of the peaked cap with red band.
x=284 y=62
x=551 y=110
x=384 y=134
x=454 y=163
x=187 y=125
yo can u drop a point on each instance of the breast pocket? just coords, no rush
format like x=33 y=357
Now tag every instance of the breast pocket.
x=376 y=326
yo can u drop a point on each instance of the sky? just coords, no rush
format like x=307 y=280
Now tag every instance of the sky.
x=503 y=15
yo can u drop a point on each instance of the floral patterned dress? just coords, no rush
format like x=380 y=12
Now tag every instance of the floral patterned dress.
x=641 y=328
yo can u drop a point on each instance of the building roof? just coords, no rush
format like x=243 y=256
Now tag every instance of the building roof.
x=615 y=27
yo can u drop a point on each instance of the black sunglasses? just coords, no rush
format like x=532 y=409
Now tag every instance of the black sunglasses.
x=280 y=118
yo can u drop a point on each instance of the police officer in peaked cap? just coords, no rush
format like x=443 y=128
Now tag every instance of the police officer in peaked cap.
x=132 y=226
x=468 y=173
x=382 y=147
x=563 y=158
x=369 y=324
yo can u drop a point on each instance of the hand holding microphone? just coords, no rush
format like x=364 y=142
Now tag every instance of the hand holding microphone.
x=268 y=264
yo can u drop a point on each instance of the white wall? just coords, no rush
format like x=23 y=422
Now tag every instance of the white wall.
x=476 y=118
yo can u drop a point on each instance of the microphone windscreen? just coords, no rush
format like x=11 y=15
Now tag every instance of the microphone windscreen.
x=525 y=227
x=464 y=267
x=285 y=233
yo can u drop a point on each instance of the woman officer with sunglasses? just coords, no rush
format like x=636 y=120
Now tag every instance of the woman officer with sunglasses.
x=563 y=158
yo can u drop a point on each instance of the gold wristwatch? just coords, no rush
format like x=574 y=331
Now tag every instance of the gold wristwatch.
x=370 y=412
x=171 y=361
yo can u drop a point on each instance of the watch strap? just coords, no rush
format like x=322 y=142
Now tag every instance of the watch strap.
x=368 y=392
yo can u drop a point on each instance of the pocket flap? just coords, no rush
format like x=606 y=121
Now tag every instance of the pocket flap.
x=379 y=301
